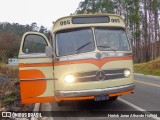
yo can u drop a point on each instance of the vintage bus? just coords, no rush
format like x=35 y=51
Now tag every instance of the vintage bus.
x=89 y=56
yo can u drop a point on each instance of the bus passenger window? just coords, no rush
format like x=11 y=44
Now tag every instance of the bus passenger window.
x=34 y=44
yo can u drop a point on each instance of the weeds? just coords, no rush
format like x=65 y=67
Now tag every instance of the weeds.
x=148 y=68
x=11 y=71
x=10 y=92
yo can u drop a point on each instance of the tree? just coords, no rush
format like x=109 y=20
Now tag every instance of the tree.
x=42 y=29
x=95 y=6
x=34 y=26
x=10 y=38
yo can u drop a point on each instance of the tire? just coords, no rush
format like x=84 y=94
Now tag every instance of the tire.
x=58 y=103
x=113 y=98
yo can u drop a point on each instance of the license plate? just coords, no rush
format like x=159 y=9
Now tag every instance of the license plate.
x=101 y=98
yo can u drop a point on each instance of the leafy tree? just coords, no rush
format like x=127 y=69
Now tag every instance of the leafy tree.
x=10 y=38
x=42 y=29
x=34 y=26
x=94 y=6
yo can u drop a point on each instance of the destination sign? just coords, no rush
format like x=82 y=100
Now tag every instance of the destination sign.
x=90 y=19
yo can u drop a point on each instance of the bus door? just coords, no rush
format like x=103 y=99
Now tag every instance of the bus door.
x=35 y=69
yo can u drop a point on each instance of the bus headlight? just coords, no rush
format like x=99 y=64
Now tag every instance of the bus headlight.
x=127 y=73
x=69 y=78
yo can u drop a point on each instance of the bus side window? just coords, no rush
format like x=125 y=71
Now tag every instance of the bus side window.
x=34 y=44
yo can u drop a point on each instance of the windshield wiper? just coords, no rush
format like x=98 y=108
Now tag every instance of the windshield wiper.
x=105 y=46
x=83 y=46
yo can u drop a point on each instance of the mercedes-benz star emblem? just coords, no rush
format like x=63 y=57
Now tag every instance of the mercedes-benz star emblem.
x=100 y=75
x=98 y=55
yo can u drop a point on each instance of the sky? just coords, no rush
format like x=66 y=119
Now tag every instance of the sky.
x=43 y=12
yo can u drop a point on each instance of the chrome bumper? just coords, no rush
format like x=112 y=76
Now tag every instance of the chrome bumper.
x=94 y=92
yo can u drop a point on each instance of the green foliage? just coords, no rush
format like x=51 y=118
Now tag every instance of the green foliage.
x=137 y=34
x=94 y=6
x=9 y=99
x=10 y=38
x=105 y=6
x=42 y=29
x=3 y=56
x=9 y=92
x=155 y=4
x=11 y=71
x=148 y=68
x=14 y=28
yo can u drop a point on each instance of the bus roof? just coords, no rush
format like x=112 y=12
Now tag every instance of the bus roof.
x=88 y=20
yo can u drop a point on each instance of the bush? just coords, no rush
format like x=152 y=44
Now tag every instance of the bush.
x=11 y=71
x=151 y=68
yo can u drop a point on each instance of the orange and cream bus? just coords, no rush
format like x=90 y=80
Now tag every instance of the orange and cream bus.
x=88 y=57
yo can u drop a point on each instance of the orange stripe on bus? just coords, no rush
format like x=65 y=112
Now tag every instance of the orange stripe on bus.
x=121 y=93
x=98 y=63
x=75 y=98
x=31 y=88
x=37 y=100
x=35 y=64
x=29 y=74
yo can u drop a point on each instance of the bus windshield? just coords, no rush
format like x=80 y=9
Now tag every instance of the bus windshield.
x=81 y=40
x=74 y=41
x=111 y=39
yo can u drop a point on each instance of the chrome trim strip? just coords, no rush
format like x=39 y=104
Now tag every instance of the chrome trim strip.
x=92 y=56
x=86 y=76
x=115 y=74
x=95 y=75
x=37 y=79
x=33 y=55
x=94 y=92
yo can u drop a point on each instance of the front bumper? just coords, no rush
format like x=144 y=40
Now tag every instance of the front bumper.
x=95 y=92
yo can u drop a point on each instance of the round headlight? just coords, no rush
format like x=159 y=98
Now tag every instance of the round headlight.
x=69 y=78
x=127 y=73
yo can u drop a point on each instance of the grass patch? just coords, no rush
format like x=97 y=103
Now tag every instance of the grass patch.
x=11 y=71
x=10 y=92
x=148 y=68
x=8 y=100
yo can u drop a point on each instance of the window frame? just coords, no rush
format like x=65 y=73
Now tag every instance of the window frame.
x=25 y=41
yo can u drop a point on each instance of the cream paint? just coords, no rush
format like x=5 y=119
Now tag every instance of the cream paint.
x=57 y=25
x=61 y=71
